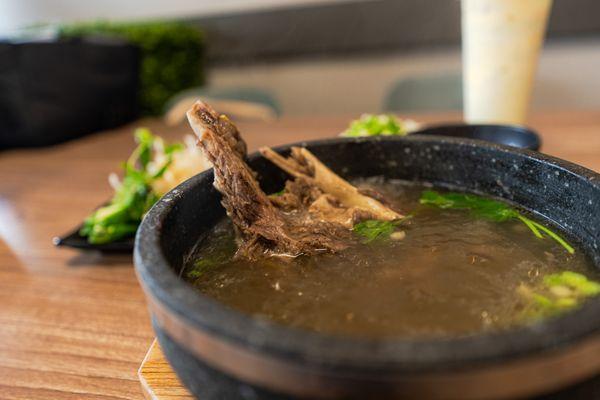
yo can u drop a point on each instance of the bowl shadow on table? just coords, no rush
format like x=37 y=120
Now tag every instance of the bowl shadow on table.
x=99 y=259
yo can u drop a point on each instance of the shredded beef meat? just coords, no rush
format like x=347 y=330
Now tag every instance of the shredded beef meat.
x=265 y=230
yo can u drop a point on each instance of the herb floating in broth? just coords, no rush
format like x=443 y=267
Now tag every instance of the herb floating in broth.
x=480 y=207
x=578 y=285
x=558 y=293
x=373 y=230
x=490 y=209
x=537 y=227
x=451 y=275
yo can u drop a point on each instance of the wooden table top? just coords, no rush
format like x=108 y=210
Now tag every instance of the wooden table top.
x=74 y=325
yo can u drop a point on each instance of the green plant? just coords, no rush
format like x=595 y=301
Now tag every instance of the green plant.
x=172 y=55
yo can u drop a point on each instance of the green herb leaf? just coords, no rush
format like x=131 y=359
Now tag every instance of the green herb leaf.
x=558 y=293
x=161 y=171
x=374 y=125
x=132 y=199
x=373 y=230
x=145 y=141
x=578 y=283
x=174 y=148
x=542 y=300
x=490 y=209
x=536 y=227
x=480 y=206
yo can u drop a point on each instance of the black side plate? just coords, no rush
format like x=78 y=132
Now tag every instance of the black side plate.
x=510 y=135
x=75 y=240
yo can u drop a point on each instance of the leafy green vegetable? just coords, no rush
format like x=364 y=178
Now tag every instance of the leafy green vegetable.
x=493 y=210
x=532 y=225
x=374 y=125
x=578 y=284
x=480 y=206
x=558 y=293
x=277 y=194
x=172 y=56
x=132 y=199
x=174 y=148
x=372 y=229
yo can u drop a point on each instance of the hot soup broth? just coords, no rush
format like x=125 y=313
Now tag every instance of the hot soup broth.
x=442 y=272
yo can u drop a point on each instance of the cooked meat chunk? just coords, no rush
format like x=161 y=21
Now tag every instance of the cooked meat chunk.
x=265 y=230
x=315 y=213
x=298 y=194
x=348 y=200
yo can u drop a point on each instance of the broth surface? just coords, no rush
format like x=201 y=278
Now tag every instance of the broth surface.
x=451 y=275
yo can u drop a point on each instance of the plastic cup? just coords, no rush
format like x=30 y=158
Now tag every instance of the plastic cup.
x=501 y=43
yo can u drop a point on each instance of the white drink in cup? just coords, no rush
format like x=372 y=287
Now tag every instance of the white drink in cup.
x=501 y=42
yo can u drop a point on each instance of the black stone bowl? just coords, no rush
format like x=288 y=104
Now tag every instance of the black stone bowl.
x=220 y=353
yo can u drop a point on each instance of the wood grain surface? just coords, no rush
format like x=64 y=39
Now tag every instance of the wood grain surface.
x=74 y=325
x=157 y=378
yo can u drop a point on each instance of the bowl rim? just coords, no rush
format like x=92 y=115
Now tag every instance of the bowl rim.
x=309 y=348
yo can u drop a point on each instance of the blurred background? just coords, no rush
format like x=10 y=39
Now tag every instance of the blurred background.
x=259 y=59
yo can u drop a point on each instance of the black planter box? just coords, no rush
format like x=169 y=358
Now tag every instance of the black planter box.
x=52 y=91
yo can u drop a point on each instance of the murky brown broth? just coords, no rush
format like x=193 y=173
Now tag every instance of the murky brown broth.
x=451 y=275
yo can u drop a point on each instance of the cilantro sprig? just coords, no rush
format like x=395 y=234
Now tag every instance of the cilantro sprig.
x=558 y=293
x=373 y=230
x=493 y=210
